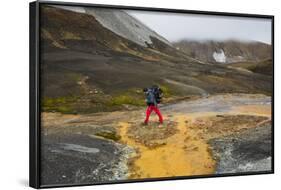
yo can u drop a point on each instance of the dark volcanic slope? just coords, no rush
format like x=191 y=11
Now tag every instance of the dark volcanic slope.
x=81 y=58
x=234 y=51
x=80 y=45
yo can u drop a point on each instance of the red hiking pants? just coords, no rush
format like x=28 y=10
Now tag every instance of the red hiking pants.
x=156 y=110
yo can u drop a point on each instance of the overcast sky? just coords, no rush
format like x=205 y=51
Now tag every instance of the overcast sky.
x=177 y=26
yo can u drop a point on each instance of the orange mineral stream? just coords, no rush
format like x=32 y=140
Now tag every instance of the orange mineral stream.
x=183 y=154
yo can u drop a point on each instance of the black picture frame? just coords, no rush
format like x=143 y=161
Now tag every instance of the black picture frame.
x=34 y=81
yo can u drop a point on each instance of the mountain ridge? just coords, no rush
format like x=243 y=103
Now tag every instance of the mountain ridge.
x=231 y=50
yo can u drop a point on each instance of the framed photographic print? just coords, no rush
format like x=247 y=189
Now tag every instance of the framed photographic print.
x=132 y=94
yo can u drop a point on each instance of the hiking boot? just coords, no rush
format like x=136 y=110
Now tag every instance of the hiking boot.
x=145 y=123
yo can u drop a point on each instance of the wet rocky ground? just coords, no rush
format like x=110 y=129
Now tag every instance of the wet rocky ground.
x=249 y=151
x=81 y=150
x=69 y=159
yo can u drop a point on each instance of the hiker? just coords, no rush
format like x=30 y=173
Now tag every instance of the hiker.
x=153 y=98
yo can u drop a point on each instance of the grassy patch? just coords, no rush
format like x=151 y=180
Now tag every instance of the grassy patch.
x=97 y=102
x=69 y=36
x=136 y=97
x=127 y=99
x=109 y=135
x=133 y=96
x=167 y=92
x=59 y=104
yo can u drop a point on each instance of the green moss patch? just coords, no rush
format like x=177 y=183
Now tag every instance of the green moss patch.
x=60 y=104
x=167 y=92
x=109 y=135
x=126 y=99
x=132 y=96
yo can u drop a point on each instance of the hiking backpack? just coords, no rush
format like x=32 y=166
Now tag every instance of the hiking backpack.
x=153 y=95
x=158 y=94
x=150 y=97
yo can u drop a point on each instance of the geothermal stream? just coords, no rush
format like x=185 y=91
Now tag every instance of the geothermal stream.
x=183 y=154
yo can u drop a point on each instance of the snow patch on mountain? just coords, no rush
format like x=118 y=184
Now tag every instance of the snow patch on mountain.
x=219 y=56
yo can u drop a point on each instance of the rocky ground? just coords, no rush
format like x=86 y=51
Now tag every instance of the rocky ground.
x=225 y=133
x=250 y=151
x=82 y=159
